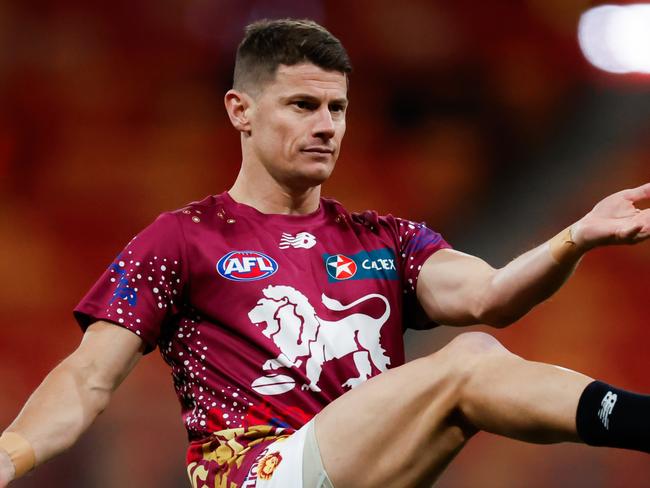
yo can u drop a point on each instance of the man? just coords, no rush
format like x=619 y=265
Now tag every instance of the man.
x=277 y=309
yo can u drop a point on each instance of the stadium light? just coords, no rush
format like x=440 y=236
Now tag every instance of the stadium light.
x=617 y=38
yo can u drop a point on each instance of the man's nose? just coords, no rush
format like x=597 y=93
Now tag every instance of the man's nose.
x=324 y=124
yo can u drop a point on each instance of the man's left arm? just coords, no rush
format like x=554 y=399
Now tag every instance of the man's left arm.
x=458 y=289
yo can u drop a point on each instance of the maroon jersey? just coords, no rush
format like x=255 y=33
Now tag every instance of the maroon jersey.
x=264 y=319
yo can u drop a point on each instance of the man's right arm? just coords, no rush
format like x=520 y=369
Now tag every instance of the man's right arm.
x=74 y=393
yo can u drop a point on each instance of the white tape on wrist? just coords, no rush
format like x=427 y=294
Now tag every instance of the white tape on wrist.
x=563 y=248
x=20 y=452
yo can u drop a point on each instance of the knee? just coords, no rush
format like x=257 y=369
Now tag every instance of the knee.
x=467 y=352
x=475 y=344
x=453 y=372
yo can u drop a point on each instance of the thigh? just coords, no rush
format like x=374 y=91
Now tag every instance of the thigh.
x=398 y=429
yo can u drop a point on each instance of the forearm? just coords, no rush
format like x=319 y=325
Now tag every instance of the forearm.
x=459 y=289
x=528 y=280
x=60 y=409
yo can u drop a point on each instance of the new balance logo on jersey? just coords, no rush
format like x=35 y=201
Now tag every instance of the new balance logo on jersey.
x=302 y=240
x=246 y=266
x=606 y=408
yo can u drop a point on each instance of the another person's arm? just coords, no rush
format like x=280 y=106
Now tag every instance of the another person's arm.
x=458 y=289
x=74 y=393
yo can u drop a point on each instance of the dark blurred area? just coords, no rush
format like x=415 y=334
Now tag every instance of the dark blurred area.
x=480 y=118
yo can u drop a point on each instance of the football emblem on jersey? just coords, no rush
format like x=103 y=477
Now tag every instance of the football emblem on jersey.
x=246 y=266
x=273 y=384
x=340 y=267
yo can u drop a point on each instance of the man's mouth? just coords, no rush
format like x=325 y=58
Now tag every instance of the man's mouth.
x=319 y=150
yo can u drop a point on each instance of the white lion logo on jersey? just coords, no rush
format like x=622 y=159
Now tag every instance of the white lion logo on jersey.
x=292 y=324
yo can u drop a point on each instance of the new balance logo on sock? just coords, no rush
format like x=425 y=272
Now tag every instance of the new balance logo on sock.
x=606 y=407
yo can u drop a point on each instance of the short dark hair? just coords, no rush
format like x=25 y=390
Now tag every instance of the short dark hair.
x=270 y=43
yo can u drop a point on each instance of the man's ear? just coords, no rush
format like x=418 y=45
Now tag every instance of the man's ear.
x=238 y=105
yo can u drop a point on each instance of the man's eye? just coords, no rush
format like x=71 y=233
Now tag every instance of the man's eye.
x=302 y=105
x=337 y=108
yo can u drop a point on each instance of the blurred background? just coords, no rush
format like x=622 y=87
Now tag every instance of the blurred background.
x=481 y=118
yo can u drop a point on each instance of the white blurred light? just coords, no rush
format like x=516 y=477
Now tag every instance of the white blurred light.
x=617 y=38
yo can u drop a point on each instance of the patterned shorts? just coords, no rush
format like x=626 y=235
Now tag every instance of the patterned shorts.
x=260 y=457
x=291 y=462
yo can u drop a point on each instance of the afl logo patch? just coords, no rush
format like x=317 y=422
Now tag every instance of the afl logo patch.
x=340 y=267
x=246 y=266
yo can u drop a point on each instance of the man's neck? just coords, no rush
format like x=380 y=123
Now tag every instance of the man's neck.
x=273 y=198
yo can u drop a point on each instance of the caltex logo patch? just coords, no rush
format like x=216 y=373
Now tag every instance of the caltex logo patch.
x=246 y=266
x=340 y=267
x=376 y=264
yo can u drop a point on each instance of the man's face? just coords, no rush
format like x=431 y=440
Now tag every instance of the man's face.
x=297 y=123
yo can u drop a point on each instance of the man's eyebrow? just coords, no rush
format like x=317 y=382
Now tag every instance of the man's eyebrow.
x=312 y=98
x=339 y=101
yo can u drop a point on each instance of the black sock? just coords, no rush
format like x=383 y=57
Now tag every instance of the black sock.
x=611 y=417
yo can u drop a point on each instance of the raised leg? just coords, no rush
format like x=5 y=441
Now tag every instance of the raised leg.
x=402 y=428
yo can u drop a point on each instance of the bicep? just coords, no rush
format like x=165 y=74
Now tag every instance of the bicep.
x=451 y=287
x=107 y=354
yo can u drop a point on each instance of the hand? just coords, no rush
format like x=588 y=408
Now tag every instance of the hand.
x=615 y=220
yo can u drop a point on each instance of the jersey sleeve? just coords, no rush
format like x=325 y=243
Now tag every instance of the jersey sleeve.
x=416 y=243
x=144 y=286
